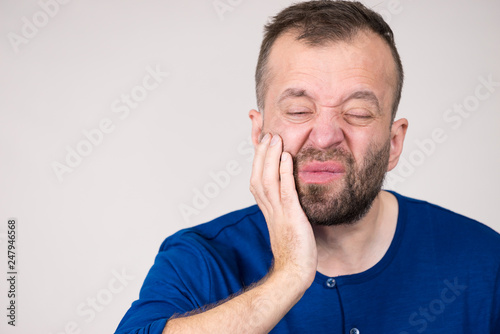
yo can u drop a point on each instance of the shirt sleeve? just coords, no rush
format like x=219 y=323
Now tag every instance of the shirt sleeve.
x=178 y=282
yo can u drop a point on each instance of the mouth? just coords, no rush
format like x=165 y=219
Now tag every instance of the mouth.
x=321 y=172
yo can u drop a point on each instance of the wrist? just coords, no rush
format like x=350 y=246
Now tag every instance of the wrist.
x=289 y=282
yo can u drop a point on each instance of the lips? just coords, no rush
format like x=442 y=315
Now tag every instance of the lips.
x=320 y=172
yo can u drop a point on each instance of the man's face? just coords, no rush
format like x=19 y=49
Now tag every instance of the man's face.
x=332 y=107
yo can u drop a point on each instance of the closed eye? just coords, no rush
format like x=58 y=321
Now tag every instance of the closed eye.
x=298 y=112
x=358 y=118
x=298 y=116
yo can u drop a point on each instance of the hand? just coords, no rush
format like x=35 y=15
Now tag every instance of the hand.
x=273 y=186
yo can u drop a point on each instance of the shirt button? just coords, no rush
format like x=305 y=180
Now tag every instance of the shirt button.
x=354 y=331
x=331 y=284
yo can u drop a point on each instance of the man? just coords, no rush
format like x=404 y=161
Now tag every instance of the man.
x=326 y=250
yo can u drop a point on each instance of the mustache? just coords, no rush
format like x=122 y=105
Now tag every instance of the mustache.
x=313 y=154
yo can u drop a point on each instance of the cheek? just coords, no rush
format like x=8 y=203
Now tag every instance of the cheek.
x=361 y=144
x=294 y=137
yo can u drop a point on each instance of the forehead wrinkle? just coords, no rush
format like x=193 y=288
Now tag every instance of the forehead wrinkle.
x=330 y=90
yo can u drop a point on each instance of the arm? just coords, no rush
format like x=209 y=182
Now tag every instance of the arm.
x=259 y=309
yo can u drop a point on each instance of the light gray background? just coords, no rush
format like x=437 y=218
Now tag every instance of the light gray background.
x=110 y=214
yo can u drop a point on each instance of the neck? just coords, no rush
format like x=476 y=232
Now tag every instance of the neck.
x=354 y=248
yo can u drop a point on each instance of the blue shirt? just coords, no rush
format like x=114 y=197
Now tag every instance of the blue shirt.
x=441 y=274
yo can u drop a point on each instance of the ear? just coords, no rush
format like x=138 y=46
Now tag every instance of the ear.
x=398 y=133
x=257 y=123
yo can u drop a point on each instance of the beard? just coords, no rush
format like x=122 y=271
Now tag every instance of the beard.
x=347 y=200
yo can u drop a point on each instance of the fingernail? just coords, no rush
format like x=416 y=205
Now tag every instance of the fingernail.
x=284 y=156
x=266 y=138
x=275 y=140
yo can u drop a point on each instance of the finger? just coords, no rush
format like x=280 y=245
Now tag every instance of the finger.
x=270 y=174
x=257 y=169
x=259 y=157
x=287 y=184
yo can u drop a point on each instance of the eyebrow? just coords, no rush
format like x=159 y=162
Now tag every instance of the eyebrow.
x=366 y=95
x=292 y=92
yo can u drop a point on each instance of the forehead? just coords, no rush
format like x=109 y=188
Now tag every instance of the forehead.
x=330 y=71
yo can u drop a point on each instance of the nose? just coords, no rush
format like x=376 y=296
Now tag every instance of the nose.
x=326 y=132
